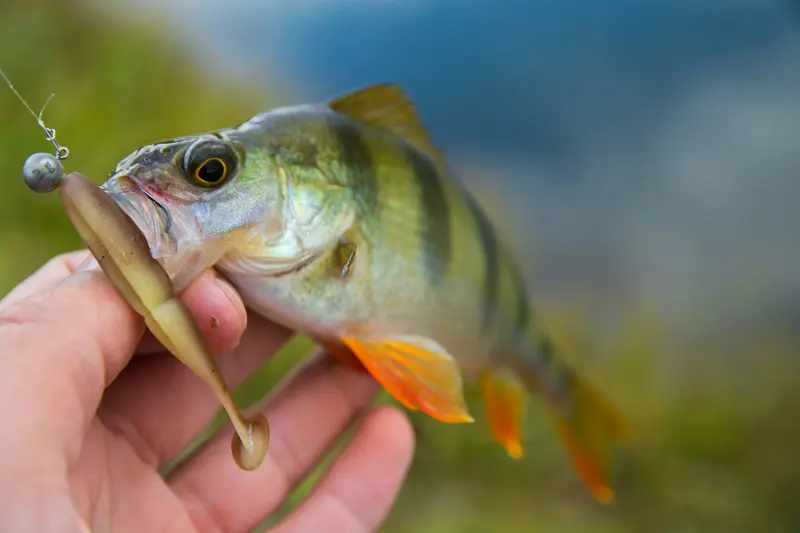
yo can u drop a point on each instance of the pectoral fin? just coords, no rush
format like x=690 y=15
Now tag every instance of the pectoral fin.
x=504 y=400
x=417 y=371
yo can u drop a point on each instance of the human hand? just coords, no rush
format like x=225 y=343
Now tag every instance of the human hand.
x=93 y=407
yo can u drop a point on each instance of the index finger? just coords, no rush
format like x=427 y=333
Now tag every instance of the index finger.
x=215 y=305
x=51 y=274
x=61 y=347
x=64 y=341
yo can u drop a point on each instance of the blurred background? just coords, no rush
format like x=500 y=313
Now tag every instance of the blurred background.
x=642 y=158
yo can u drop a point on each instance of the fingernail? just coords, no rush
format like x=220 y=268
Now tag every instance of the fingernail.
x=232 y=295
x=89 y=264
x=230 y=292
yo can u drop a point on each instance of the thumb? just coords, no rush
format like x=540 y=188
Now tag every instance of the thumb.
x=60 y=349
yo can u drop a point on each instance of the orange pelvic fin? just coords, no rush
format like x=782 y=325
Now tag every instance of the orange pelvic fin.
x=505 y=402
x=417 y=371
x=343 y=354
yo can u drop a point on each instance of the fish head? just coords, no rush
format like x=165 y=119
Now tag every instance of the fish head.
x=217 y=198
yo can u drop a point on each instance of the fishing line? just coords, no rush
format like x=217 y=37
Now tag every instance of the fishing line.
x=62 y=152
x=42 y=171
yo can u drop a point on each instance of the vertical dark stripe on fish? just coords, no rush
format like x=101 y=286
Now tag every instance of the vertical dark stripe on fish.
x=491 y=256
x=357 y=158
x=522 y=311
x=435 y=230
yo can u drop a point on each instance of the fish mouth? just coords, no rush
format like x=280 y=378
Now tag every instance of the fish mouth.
x=172 y=235
x=150 y=215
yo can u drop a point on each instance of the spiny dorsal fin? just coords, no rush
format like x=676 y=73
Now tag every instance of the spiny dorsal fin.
x=385 y=105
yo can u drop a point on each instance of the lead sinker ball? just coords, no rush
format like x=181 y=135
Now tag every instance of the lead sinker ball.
x=42 y=172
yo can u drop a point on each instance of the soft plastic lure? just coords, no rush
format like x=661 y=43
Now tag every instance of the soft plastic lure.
x=122 y=252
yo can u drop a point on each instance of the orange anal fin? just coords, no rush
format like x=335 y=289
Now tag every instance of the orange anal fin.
x=344 y=355
x=504 y=401
x=418 y=372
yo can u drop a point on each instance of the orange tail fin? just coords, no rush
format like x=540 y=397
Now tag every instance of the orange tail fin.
x=587 y=424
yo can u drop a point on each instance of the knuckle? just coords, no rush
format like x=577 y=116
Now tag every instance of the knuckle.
x=21 y=313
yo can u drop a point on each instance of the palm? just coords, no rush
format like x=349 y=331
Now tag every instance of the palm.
x=106 y=423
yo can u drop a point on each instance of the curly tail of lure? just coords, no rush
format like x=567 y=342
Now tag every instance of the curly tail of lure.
x=123 y=253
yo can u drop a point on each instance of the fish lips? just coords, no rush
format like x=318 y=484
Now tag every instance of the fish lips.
x=152 y=216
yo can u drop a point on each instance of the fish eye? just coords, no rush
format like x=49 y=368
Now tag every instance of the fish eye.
x=211 y=171
x=209 y=163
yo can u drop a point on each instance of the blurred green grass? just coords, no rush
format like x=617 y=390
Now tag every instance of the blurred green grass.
x=716 y=424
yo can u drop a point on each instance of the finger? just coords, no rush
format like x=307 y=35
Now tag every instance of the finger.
x=306 y=416
x=160 y=406
x=54 y=271
x=65 y=344
x=214 y=303
x=217 y=309
x=356 y=494
x=61 y=347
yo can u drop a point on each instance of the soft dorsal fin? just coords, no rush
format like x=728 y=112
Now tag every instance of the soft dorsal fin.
x=385 y=105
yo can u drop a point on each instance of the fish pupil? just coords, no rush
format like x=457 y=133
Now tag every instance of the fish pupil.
x=211 y=171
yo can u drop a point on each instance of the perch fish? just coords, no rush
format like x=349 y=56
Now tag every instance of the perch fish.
x=341 y=220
